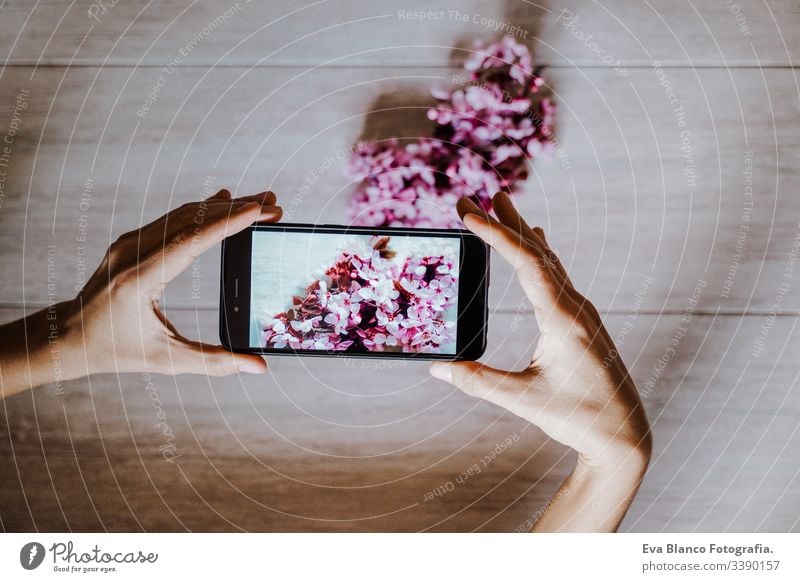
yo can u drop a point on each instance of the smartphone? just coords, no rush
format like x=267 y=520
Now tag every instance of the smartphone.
x=328 y=290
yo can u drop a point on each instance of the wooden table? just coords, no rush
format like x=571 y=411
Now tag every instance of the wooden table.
x=673 y=200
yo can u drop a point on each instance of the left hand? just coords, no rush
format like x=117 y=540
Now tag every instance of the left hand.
x=116 y=317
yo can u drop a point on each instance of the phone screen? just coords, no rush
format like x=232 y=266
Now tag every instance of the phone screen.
x=349 y=292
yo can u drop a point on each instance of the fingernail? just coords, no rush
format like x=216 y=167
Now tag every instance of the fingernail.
x=478 y=218
x=271 y=209
x=250 y=368
x=479 y=214
x=441 y=372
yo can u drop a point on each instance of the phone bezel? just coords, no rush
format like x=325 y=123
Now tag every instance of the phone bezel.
x=472 y=300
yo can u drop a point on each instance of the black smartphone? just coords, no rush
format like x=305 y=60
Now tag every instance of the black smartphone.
x=328 y=290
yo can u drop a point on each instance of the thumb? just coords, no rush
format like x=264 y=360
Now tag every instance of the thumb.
x=223 y=194
x=199 y=358
x=472 y=378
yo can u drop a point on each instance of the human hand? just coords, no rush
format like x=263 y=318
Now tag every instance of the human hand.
x=576 y=388
x=116 y=317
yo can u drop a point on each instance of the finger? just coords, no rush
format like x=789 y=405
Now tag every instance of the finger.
x=219 y=223
x=508 y=215
x=267 y=198
x=499 y=387
x=191 y=357
x=170 y=258
x=195 y=218
x=550 y=265
x=187 y=356
x=223 y=194
x=164 y=227
x=538 y=281
x=195 y=212
x=466 y=206
x=539 y=232
x=192 y=212
x=490 y=230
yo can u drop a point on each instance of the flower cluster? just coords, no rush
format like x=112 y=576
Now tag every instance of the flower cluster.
x=368 y=301
x=486 y=131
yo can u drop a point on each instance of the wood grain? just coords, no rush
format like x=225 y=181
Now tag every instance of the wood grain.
x=379 y=32
x=119 y=114
x=331 y=445
x=616 y=201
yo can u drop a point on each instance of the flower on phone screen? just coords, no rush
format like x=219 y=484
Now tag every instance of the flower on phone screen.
x=368 y=300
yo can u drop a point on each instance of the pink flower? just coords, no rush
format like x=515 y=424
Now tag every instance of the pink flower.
x=367 y=300
x=486 y=131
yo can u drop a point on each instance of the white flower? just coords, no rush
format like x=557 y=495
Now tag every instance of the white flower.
x=305 y=326
x=381 y=291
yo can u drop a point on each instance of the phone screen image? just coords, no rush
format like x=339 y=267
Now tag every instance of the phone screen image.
x=357 y=293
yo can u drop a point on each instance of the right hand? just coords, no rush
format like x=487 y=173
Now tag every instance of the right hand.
x=576 y=388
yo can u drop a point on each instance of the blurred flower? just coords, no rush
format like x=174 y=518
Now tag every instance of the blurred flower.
x=486 y=132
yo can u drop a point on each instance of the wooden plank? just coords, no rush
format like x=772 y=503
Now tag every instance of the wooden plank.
x=326 y=445
x=617 y=201
x=724 y=416
x=319 y=445
x=381 y=33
